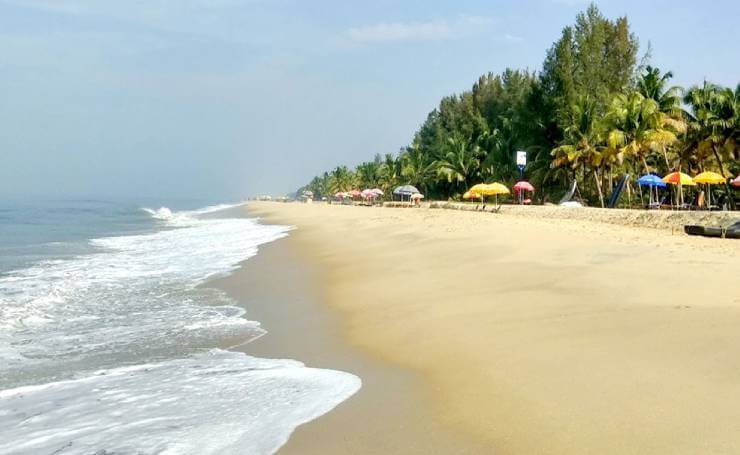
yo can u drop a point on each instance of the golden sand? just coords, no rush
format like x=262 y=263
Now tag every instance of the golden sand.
x=540 y=336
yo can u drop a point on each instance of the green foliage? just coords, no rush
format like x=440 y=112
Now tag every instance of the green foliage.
x=588 y=115
x=596 y=57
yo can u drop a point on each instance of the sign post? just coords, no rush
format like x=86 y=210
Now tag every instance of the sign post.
x=521 y=162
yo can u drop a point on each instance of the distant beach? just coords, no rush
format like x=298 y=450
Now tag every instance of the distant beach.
x=516 y=334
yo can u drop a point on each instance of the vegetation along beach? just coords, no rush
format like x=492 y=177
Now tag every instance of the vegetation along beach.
x=389 y=227
x=597 y=110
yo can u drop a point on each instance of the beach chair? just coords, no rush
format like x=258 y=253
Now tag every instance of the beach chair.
x=657 y=204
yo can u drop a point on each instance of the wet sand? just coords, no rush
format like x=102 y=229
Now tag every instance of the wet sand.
x=390 y=414
x=523 y=335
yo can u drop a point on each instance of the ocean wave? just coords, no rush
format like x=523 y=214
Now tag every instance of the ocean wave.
x=138 y=300
x=186 y=217
x=213 y=403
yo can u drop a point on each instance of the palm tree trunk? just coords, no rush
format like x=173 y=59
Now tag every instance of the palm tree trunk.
x=598 y=187
x=731 y=200
x=644 y=164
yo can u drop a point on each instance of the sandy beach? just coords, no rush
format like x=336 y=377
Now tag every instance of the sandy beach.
x=513 y=334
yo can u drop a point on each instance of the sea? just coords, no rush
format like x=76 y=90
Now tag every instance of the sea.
x=111 y=341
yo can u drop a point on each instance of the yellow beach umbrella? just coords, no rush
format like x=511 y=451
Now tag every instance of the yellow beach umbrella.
x=477 y=191
x=497 y=188
x=710 y=178
x=470 y=195
x=494 y=189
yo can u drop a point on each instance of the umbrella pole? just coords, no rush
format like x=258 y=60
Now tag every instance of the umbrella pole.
x=709 y=197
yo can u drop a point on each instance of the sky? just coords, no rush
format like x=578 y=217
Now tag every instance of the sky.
x=223 y=99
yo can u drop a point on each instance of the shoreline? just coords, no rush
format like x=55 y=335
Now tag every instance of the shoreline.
x=539 y=335
x=389 y=414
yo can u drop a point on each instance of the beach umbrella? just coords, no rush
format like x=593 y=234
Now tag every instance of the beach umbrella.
x=654 y=182
x=651 y=180
x=339 y=195
x=736 y=182
x=477 y=191
x=367 y=193
x=679 y=178
x=494 y=189
x=405 y=190
x=355 y=193
x=479 y=188
x=377 y=191
x=416 y=197
x=523 y=186
x=470 y=195
x=497 y=188
x=709 y=178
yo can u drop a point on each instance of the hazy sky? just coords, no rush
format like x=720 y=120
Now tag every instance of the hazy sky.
x=226 y=98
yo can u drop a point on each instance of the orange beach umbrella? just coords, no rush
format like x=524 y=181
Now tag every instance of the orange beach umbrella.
x=679 y=178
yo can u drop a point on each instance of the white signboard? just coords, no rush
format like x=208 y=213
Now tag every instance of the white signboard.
x=521 y=158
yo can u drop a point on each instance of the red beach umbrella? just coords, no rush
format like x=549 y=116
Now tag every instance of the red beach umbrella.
x=736 y=182
x=355 y=193
x=523 y=186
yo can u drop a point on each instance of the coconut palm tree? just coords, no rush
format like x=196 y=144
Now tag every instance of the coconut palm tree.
x=459 y=162
x=714 y=123
x=652 y=85
x=714 y=120
x=581 y=146
x=341 y=179
x=417 y=167
x=637 y=128
x=368 y=173
x=390 y=173
x=501 y=146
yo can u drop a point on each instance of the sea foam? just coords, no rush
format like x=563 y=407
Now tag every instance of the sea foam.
x=113 y=351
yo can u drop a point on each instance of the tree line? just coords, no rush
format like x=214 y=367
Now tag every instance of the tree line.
x=591 y=114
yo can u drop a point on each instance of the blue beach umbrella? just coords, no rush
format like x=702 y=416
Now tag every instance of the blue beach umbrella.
x=651 y=180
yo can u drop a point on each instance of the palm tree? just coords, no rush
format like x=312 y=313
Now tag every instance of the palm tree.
x=417 y=167
x=501 y=145
x=390 y=173
x=714 y=124
x=714 y=119
x=341 y=179
x=581 y=146
x=652 y=85
x=638 y=128
x=459 y=162
x=368 y=173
